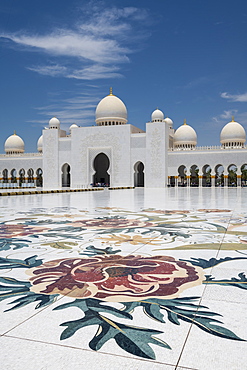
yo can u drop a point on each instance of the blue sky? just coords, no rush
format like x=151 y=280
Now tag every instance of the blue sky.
x=188 y=58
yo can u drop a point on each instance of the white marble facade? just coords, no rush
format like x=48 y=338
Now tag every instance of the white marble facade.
x=117 y=154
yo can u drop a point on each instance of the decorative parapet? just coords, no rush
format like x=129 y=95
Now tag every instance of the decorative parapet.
x=21 y=155
x=207 y=148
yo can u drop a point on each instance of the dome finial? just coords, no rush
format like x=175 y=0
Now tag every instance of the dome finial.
x=14 y=132
x=233 y=119
x=185 y=122
x=111 y=91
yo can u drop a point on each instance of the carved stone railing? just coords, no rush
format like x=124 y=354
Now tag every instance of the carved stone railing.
x=206 y=148
x=20 y=155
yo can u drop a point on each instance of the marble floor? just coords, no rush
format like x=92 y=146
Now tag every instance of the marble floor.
x=124 y=279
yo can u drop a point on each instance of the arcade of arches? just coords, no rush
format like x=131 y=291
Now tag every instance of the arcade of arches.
x=23 y=177
x=229 y=176
x=193 y=176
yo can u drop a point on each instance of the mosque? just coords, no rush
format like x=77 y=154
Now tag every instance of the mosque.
x=117 y=154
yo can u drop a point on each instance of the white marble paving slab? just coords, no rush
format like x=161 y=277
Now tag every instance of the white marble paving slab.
x=196 y=211
x=204 y=352
x=22 y=354
x=45 y=327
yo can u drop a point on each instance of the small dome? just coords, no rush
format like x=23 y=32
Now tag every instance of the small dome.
x=169 y=121
x=185 y=137
x=232 y=134
x=111 y=111
x=40 y=144
x=54 y=123
x=14 y=144
x=74 y=125
x=157 y=116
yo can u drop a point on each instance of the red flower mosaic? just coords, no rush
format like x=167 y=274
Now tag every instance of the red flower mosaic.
x=111 y=222
x=13 y=231
x=115 y=278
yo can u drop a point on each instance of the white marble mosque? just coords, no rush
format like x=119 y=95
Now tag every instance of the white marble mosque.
x=117 y=154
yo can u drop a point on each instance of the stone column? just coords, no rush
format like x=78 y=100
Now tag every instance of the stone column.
x=225 y=180
x=213 y=180
x=188 y=181
x=239 y=180
x=176 y=181
x=200 y=180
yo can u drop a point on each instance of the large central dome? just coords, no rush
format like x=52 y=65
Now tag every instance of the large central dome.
x=111 y=111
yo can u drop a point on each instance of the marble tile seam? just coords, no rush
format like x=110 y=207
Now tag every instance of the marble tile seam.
x=185 y=368
x=31 y=316
x=186 y=339
x=95 y=352
x=218 y=250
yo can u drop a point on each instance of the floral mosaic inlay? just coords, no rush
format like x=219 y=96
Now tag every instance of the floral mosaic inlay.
x=116 y=278
x=111 y=263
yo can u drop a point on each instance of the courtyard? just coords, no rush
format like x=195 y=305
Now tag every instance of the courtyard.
x=124 y=279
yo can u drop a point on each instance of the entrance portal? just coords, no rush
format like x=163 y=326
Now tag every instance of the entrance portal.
x=139 y=174
x=66 y=175
x=101 y=165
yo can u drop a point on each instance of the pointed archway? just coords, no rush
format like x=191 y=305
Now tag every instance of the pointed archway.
x=39 y=178
x=139 y=174
x=66 y=175
x=101 y=165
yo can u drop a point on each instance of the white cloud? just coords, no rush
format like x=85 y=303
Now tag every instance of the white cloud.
x=235 y=98
x=93 y=47
x=72 y=44
x=95 y=72
x=53 y=70
x=78 y=109
x=226 y=115
x=112 y=21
